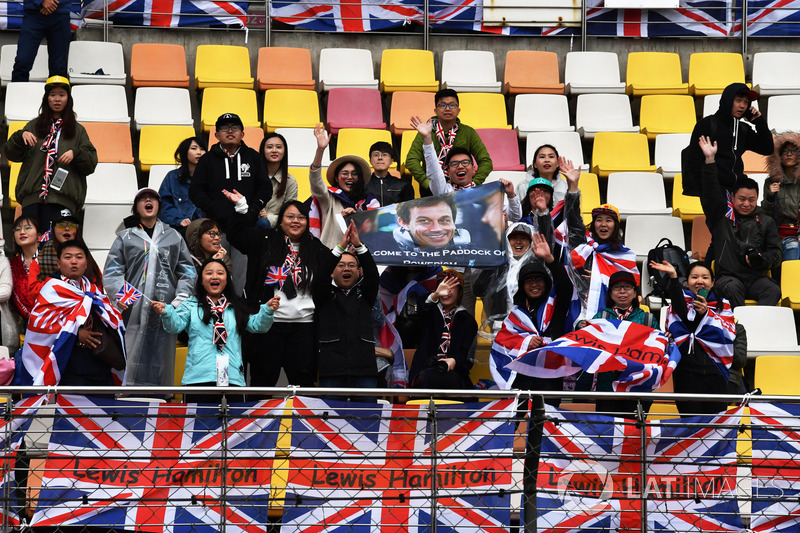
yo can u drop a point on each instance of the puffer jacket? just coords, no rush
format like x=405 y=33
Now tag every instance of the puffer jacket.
x=784 y=206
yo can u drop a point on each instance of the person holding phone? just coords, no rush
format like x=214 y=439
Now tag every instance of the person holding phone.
x=702 y=326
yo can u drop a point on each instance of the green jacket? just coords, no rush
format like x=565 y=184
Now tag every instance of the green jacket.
x=31 y=175
x=465 y=138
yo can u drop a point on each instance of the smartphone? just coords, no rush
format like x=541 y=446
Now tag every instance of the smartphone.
x=703 y=293
x=59 y=177
x=748 y=114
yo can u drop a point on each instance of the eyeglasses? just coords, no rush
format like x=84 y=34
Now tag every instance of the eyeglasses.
x=622 y=287
x=291 y=218
x=461 y=163
x=445 y=105
x=789 y=151
x=20 y=229
x=347 y=265
x=67 y=225
x=348 y=173
x=214 y=234
x=231 y=127
x=380 y=154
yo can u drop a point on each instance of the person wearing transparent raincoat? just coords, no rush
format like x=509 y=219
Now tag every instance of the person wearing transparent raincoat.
x=154 y=258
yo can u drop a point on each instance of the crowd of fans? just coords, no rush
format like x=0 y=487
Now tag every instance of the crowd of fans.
x=260 y=281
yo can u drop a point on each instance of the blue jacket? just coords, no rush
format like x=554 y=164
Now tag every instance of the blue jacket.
x=201 y=363
x=175 y=203
x=64 y=6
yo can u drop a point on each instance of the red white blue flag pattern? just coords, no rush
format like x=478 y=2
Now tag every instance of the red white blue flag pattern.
x=128 y=294
x=169 y=13
x=606 y=260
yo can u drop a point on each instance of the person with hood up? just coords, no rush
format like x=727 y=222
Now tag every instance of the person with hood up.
x=154 y=258
x=736 y=127
x=204 y=239
x=782 y=192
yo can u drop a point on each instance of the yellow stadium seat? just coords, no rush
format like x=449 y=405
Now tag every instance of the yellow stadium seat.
x=405 y=146
x=790 y=284
x=300 y=174
x=666 y=113
x=655 y=73
x=290 y=108
x=15 y=126
x=181 y=353
x=483 y=110
x=218 y=101
x=408 y=70
x=437 y=401
x=711 y=72
x=284 y=68
x=590 y=193
x=12 y=184
x=777 y=374
x=157 y=144
x=686 y=207
x=357 y=141
x=222 y=66
x=620 y=152
x=662 y=411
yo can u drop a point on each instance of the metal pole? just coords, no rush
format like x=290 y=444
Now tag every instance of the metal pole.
x=641 y=417
x=531 y=469
x=268 y=22
x=426 y=26
x=223 y=493
x=105 y=21
x=745 y=10
x=583 y=26
x=434 y=463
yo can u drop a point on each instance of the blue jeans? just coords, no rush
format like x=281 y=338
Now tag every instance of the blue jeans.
x=791 y=248
x=35 y=27
x=350 y=382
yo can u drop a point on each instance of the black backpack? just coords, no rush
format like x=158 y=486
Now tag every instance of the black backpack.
x=674 y=255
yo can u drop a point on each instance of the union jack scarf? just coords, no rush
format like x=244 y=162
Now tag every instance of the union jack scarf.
x=606 y=261
x=445 y=143
x=315 y=212
x=294 y=271
x=444 y=347
x=220 y=335
x=714 y=333
x=50 y=147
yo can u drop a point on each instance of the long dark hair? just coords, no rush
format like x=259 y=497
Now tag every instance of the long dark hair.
x=536 y=153
x=18 y=222
x=527 y=207
x=241 y=311
x=284 y=164
x=277 y=249
x=616 y=236
x=358 y=191
x=182 y=156
x=45 y=119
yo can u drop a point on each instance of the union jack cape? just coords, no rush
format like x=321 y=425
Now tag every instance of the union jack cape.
x=605 y=261
x=714 y=334
x=60 y=309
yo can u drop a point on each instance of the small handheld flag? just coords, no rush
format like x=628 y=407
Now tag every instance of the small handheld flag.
x=128 y=294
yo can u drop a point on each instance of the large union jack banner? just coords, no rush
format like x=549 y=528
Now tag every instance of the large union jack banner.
x=168 y=13
x=377 y=475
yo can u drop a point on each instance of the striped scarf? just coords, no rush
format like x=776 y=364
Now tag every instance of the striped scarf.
x=315 y=212
x=220 y=335
x=605 y=261
x=444 y=347
x=293 y=269
x=445 y=143
x=50 y=147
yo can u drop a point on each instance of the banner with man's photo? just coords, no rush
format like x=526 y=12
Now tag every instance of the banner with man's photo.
x=464 y=228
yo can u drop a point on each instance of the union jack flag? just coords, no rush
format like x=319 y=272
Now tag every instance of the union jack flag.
x=46 y=236
x=169 y=13
x=606 y=261
x=769 y=18
x=730 y=214
x=376 y=476
x=276 y=275
x=590 y=471
x=776 y=468
x=128 y=294
x=159 y=467
x=347 y=15
x=11 y=13
x=644 y=355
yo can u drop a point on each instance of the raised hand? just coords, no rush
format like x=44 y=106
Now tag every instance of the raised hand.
x=423 y=127
x=541 y=248
x=709 y=148
x=664 y=266
x=322 y=137
x=509 y=187
x=572 y=174
x=539 y=200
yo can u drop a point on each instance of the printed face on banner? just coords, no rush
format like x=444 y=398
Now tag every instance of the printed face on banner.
x=431 y=226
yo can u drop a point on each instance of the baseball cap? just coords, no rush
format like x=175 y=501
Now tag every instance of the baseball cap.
x=540 y=182
x=606 y=209
x=56 y=81
x=144 y=190
x=229 y=118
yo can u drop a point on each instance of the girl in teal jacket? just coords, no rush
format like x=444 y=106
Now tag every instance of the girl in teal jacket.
x=215 y=319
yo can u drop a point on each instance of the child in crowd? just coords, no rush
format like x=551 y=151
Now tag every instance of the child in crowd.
x=177 y=209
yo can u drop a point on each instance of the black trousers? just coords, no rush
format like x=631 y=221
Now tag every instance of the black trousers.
x=690 y=382
x=288 y=345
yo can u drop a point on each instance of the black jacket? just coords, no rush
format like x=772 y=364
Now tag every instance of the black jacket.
x=732 y=239
x=733 y=136
x=563 y=296
x=344 y=320
x=463 y=333
x=390 y=190
x=245 y=173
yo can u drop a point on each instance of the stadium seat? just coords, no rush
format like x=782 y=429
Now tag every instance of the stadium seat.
x=219 y=100
x=483 y=110
x=603 y=112
x=100 y=222
x=252 y=137
x=637 y=193
x=222 y=66
x=100 y=257
x=592 y=72
x=101 y=103
x=8 y=53
x=346 y=67
x=470 y=71
x=589 y=186
x=96 y=63
x=354 y=107
x=23 y=99
x=655 y=73
x=655 y=303
x=290 y=108
x=111 y=183
x=157 y=145
x=701 y=238
x=685 y=207
x=407 y=104
x=12 y=183
x=302 y=146
x=157 y=175
x=666 y=113
x=711 y=72
x=567 y=143
x=760 y=178
x=503 y=148
x=770 y=330
x=776 y=73
x=790 y=284
x=642 y=233
x=783 y=114
x=531 y=71
x=776 y=375
x=405 y=146
x=518 y=178
x=711 y=104
x=620 y=152
x=284 y=68
x=158 y=65
x=13 y=127
x=162 y=105
x=408 y=70
x=541 y=112
x=754 y=163
x=357 y=141
x=300 y=175
x=668 y=149
x=112 y=140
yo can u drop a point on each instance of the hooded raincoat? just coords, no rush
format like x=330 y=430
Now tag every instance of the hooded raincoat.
x=161 y=267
